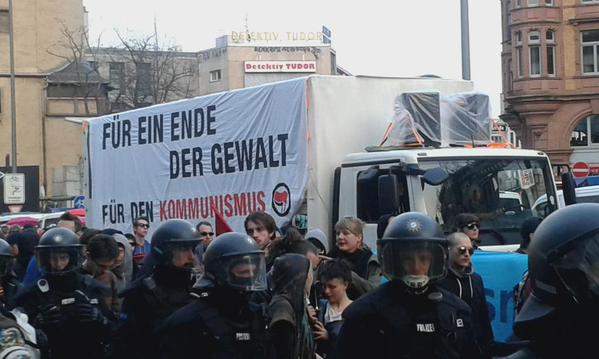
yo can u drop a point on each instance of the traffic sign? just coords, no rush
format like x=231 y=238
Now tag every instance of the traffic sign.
x=14 y=188
x=580 y=170
x=79 y=202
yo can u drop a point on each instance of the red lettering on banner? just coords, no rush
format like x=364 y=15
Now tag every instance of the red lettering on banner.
x=163 y=216
x=262 y=205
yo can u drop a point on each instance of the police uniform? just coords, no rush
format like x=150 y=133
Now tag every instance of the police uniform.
x=560 y=315
x=66 y=305
x=223 y=321
x=153 y=298
x=409 y=316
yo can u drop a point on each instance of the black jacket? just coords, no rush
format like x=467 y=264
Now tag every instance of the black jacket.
x=69 y=336
x=366 y=270
x=389 y=322
x=470 y=288
x=147 y=303
x=217 y=324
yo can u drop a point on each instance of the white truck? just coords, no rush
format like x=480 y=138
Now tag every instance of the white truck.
x=298 y=146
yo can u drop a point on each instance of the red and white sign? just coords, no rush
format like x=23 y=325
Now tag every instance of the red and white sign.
x=280 y=66
x=580 y=170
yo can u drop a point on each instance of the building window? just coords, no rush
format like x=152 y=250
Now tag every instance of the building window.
x=548 y=2
x=519 y=61
x=590 y=41
x=116 y=72
x=518 y=3
x=533 y=3
x=143 y=79
x=534 y=49
x=550 y=40
x=215 y=75
x=590 y=1
x=1 y=99
x=586 y=133
x=3 y=21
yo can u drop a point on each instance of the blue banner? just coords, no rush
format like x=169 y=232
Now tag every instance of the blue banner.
x=501 y=271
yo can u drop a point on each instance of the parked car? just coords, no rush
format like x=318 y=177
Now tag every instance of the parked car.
x=583 y=195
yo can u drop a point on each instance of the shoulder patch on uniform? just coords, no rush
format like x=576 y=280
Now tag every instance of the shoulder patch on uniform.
x=459 y=322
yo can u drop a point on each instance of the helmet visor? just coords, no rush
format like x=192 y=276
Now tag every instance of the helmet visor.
x=245 y=272
x=59 y=259
x=578 y=269
x=426 y=260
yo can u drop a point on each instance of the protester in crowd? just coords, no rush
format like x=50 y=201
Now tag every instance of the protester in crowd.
x=319 y=239
x=101 y=253
x=131 y=238
x=87 y=234
x=262 y=228
x=70 y=221
x=560 y=315
x=462 y=281
x=335 y=277
x=366 y=271
x=123 y=265
x=470 y=224
x=205 y=232
x=151 y=299
x=409 y=316
x=222 y=321
x=141 y=247
x=65 y=304
x=526 y=232
x=288 y=319
x=23 y=245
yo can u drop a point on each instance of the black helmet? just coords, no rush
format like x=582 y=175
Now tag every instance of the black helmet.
x=55 y=248
x=234 y=260
x=171 y=235
x=563 y=261
x=408 y=237
x=6 y=257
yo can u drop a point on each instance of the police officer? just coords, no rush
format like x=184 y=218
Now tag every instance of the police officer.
x=409 y=316
x=223 y=321
x=561 y=313
x=9 y=285
x=65 y=304
x=149 y=300
x=19 y=338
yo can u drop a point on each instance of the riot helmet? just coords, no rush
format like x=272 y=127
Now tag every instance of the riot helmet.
x=171 y=236
x=563 y=261
x=414 y=250
x=6 y=258
x=59 y=252
x=234 y=260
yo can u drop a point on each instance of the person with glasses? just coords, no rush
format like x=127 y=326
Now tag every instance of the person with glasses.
x=469 y=224
x=142 y=247
x=462 y=281
x=205 y=232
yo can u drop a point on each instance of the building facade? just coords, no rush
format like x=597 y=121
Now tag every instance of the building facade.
x=48 y=148
x=235 y=63
x=550 y=68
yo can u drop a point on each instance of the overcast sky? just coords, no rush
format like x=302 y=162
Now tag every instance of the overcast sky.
x=377 y=37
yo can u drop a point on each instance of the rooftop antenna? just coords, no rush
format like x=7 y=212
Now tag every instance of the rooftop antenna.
x=246 y=28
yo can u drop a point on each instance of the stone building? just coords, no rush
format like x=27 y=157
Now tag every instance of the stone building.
x=550 y=65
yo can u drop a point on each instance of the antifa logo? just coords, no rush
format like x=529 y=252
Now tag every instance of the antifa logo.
x=281 y=199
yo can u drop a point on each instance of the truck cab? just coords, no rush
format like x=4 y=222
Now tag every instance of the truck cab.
x=500 y=186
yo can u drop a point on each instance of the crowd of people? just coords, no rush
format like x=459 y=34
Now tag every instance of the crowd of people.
x=271 y=292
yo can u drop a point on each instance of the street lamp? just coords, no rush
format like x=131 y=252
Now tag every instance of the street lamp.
x=13 y=106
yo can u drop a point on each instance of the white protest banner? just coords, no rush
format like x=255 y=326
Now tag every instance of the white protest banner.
x=239 y=152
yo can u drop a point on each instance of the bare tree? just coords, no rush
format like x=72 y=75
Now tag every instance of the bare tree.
x=79 y=78
x=153 y=73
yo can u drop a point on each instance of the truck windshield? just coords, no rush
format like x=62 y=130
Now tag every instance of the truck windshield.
x=502 y=192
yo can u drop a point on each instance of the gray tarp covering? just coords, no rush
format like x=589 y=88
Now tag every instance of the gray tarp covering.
x=425 y=118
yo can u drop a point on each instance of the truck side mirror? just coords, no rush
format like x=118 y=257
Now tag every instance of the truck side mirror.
x=435 y=176
x=569 y=188
x=388 y=195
